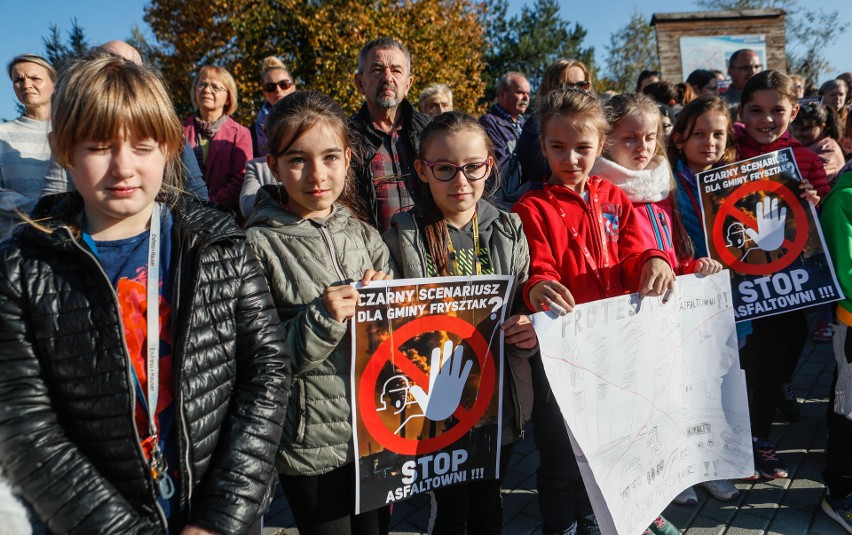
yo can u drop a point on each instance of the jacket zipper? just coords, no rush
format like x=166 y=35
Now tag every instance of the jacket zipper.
x=655 y=226
x=182 y=415
x=334 y=261
x=181 y=394
x=129 y=377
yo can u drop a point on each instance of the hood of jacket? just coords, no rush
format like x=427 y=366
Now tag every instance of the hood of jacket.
x=652 y=184
x=748 y=147
x=269 y=212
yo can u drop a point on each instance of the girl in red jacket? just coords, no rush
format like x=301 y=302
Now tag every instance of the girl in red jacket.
x=584 y=246
x=767 y=108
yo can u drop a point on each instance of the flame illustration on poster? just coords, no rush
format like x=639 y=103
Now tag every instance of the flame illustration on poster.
x=426 y=364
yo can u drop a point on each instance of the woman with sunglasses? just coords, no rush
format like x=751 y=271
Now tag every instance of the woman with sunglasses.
x=221 y=145
x=561 y=74
x=277 y=83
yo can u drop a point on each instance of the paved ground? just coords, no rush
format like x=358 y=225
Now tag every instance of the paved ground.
x=786 y=506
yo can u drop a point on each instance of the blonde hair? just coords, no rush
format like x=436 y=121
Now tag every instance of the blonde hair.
x=634 y=105
x=221 y=74
x=271 y=63
x=31 y=58
x=586 y=110
x=95 y=99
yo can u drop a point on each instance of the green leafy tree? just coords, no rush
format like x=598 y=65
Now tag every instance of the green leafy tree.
x=809 y=31
x=632 y=49
x=58 y=52
x=529 y=41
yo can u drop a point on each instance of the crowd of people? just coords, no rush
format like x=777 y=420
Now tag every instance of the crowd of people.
x=175 y=297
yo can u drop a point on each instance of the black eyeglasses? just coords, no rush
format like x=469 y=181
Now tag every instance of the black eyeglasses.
x=269 y=87
x=445 y=171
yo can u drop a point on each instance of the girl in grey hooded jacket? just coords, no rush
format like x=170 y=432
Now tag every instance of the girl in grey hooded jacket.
x=311 y=244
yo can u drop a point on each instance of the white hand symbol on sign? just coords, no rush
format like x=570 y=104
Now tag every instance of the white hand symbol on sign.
x=446 y=383
x=770 y=225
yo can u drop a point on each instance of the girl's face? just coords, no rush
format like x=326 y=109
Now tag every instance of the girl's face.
x=768 y=115
x=312 y=171
x=807 y=134
x=835 y=98
x=118 y=181
x=571 y=148
x=706 y=146
x=274 y=79
x=456 y=197
x=634 y=141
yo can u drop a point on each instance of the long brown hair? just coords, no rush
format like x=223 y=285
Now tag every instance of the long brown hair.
x=297 y=113
x=429 y=215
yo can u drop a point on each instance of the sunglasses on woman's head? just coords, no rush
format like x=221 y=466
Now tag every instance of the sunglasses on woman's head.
x=269 y=87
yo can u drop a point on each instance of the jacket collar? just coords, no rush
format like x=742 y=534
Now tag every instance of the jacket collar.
x=269 y=212
x=193 y=222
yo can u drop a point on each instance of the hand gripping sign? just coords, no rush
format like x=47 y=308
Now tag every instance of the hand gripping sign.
x=757 y=225
x=426 y=368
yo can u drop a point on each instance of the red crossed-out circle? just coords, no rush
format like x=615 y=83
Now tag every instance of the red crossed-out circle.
x=386 y=352
x=729 y=208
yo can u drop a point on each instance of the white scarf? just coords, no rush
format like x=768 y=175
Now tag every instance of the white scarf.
x=652 y=184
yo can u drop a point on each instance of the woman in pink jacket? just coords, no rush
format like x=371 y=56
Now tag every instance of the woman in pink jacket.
x=222 y=146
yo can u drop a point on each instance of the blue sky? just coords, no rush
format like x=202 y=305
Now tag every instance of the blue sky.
x=24 y=23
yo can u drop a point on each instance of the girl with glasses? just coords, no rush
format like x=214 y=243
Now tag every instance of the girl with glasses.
x=221 y=145
x=453 y=231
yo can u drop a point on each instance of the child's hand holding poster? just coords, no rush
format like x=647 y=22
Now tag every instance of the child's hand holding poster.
x=759 y=227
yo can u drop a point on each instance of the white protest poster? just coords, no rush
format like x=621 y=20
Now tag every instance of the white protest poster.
x=652 y=394
x=427 y=368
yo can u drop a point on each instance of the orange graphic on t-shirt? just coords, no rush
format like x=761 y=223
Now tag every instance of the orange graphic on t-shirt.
x=133 y=305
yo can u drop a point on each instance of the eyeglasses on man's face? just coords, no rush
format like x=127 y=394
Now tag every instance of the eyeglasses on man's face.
x=284 y=85
x=445 y=171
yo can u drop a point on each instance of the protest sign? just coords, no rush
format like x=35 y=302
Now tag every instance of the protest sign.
x=652 y=394
x=426 y=365
x=758 y=226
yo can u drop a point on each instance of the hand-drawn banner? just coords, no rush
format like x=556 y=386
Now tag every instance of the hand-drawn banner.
x=759 y=227
x=652 y=394
x=426 y=362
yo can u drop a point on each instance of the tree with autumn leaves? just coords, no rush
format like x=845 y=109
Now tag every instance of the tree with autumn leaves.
x=466 y=44
x=319 y=41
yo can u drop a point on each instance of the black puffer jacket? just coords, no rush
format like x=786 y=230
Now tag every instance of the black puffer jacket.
x=68 y=441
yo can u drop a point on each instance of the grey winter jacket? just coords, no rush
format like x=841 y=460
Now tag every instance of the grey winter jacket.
x=508 y=253
x=301 y=258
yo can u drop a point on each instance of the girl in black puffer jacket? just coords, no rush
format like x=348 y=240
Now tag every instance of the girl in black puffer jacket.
x=107 y=425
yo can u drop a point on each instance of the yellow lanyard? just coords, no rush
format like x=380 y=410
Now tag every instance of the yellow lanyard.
x=454 y=258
